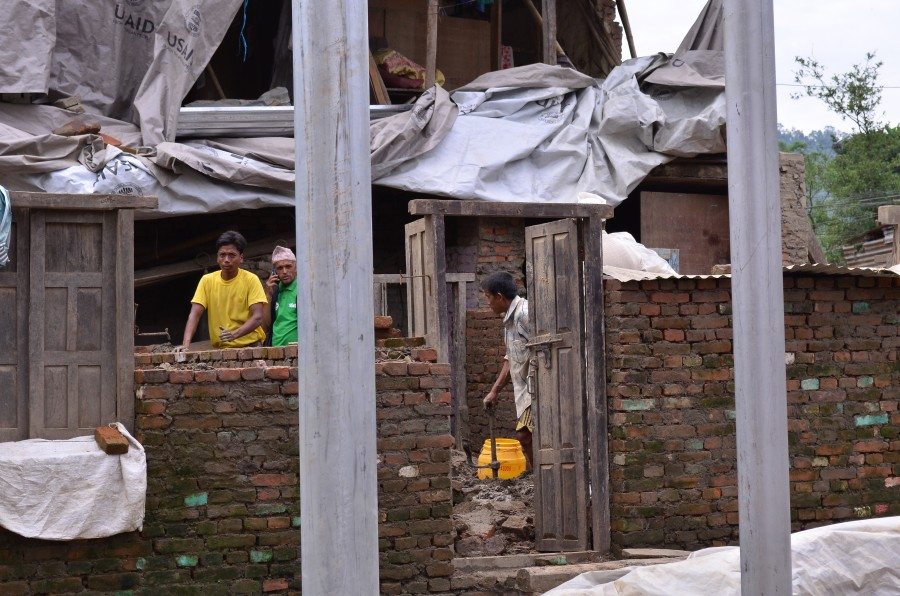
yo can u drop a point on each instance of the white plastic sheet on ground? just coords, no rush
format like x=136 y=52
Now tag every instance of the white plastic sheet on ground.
x=66 y=490
x=858 y=557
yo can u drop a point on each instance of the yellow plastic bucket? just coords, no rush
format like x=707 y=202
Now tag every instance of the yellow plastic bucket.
x=510 y=456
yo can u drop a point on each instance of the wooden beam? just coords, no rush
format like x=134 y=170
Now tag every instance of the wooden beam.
x=377 y=83
x=153 y=275
x=757 y=298
x=458 y=366
x=124 y=333
x=540 y=23
x=431 y=32
x=595 y=382
x=79 y=202
x=626 y=25
x=548 y=31
x=336 y=362
x=496 y=34
x=438 y=324
x=503 y=209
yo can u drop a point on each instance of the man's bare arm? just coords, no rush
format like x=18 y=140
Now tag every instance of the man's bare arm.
x=193 y=321
x=256 y=317
x=499 y=384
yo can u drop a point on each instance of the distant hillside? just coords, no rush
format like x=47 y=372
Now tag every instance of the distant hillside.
x=816 y=141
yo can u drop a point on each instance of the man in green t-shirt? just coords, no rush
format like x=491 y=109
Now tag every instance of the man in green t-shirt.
x=281 y=290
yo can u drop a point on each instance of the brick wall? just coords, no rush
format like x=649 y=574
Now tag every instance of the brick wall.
x=671 y=404
x=223 y=489
x=501 y=247
x=484 y=359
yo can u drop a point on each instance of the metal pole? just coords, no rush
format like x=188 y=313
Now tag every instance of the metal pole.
x=757 y=298
x=338 y=490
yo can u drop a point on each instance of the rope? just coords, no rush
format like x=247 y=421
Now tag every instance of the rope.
x=242 y=42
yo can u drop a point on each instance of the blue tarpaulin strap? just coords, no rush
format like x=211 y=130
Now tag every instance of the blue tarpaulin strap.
x=5 y=226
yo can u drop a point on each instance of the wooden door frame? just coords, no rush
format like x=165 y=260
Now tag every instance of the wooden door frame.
x=591 y=219
x=118 y=214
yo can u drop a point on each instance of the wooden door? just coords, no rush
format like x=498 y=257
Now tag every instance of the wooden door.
x=14 y=334
x=420 y=275
x=72 y=322
x=555 y=311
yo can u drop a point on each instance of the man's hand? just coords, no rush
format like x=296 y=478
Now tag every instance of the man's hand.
x=490 y=399
x=271 y=284
x=227 y=334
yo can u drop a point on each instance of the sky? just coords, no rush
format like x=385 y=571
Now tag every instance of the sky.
x=837 y=33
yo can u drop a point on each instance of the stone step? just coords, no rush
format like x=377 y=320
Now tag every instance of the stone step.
x=654 y=553
x=524 y=560
x=537 y=580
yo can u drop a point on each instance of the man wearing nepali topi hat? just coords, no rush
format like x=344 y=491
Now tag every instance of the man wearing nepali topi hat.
x=281 y=290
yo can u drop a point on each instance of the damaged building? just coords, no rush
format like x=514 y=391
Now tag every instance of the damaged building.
x=176 y=123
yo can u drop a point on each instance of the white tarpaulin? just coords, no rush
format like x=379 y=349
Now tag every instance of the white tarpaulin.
x=545 y=134
x=27 y=37
x=126 y=59
x=66 y=490
x=859 y=557
x=534 y=133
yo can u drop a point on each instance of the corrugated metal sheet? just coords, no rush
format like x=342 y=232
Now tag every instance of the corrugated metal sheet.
x=876 y=251
x=620 y=274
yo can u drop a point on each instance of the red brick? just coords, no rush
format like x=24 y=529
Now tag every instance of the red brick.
x=205 y=376
x=418 y=368
x=394 y=368
x=152 y=376
x=181 y=376
x=253 y=374
x=275 y=585
x=229 y=374
x=425 y=354
x=273 y=479
x=278 y=373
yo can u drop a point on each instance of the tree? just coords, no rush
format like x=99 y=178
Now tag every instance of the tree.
x=853 y=95
x=845 y=191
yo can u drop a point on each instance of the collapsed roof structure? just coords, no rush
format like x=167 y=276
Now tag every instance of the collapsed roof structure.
x=529 y=133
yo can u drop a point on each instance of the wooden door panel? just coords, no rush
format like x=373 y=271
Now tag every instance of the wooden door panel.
x=73 y=360
x=418 y=265
x=555 y=311
x=14 y=334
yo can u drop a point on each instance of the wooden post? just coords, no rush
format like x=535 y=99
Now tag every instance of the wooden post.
x=336 y=361
x=595 y=381
x=431 y=31
x=757 y=298
x=548 y=30
x=626 y=25
x=439 y=325
x=496 y=34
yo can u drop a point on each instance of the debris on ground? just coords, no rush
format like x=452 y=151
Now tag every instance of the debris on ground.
x=491 y=517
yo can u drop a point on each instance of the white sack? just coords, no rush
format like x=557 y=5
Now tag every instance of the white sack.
x=67 y=490
x=621 y=250
x=189 y=193
x=859 y=557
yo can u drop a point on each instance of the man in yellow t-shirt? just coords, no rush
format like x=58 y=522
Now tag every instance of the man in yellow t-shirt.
x=233 y=299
